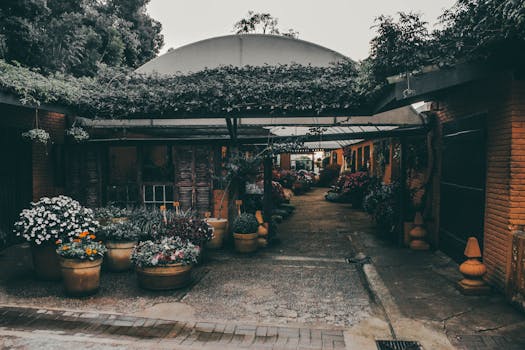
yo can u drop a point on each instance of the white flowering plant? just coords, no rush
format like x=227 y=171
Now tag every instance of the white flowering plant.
x=167 y=251
x=77 y=133
x=37 y=135
x=51 y=219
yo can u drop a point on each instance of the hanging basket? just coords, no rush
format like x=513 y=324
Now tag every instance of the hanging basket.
x=37 y=135
x=77 y=134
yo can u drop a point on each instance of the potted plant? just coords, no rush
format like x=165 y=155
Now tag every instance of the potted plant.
x=164 y=264
x=111 y=213
x=218 y=226
x=37 y=135
x=245 y=229
x=150 y=222
x=77 y=134
x=355 y=185
x=50 y=220
x=188 y=227
x=80 y=261
x=120 y=237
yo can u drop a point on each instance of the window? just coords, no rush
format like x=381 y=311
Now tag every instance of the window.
x=359 y=158
x=157 y=164
x=366 y=157
x=354 y=167
x=157 y=195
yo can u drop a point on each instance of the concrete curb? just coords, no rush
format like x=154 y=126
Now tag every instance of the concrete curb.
x=394 y=325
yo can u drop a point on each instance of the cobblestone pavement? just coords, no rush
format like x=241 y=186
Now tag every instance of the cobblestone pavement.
x=136 y=332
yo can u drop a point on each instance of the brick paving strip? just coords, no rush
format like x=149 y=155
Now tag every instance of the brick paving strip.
x=209 y=335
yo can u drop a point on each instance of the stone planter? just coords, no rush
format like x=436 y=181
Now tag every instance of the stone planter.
x=46 y=262
x=118 y=257
x=81 y=277
x=245 y=242
x=219 y=228
x=164 y=277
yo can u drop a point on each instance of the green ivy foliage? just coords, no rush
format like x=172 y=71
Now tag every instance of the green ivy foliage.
x=118 y=93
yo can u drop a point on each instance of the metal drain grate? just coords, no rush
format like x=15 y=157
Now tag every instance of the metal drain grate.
x=398 y=345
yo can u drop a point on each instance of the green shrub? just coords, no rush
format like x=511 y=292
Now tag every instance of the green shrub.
x=120 y=231
x=245 y=223
x=382 y=203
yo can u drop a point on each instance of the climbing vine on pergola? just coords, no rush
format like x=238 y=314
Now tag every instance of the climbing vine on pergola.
x=225 y=91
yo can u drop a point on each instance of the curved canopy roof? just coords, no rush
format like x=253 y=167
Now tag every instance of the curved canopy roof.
x=241 y=50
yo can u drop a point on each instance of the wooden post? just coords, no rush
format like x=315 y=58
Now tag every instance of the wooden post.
x=267 y=200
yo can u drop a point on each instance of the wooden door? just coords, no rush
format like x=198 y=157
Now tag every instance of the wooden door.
x=462 y=186
x=193 y=165
x=16 y=181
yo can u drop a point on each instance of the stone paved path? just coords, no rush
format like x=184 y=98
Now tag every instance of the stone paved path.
x=140 y=331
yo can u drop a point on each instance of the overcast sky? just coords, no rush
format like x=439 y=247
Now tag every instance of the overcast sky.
x=341 y=25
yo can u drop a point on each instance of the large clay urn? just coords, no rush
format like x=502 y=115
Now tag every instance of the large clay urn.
x=81 y=277
x=219 y=229
x=164 y=277
x=246 y=242
x=118 y=256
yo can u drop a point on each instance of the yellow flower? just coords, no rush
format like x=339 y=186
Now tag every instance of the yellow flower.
x=65 y=247
x=83 y=234
x=76 y=240
x=88 y=251
x=94 y=251
x=92 y=236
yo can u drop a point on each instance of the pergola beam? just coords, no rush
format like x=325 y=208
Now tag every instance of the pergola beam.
x=404 y=116
x=419 y=130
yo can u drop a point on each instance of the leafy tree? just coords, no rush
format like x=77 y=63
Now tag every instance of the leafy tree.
x=264 y=23
x=77 y=36
x=399 y=47
x=489 y=30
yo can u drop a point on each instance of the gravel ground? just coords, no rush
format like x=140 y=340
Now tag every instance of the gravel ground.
x=119 y=292
x=279 y=292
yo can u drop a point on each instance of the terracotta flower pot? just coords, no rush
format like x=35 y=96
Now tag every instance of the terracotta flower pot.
x=246 y=242
x=219 y=228
x=118 y=256
x=46 y=262
x=81 y=277
x=164 y=277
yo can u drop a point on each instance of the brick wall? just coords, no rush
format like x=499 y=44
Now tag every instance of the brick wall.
x=20 y=118
x=498 y=98
x=43 y=167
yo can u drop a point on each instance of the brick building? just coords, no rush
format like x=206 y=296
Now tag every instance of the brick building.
x=478 y=182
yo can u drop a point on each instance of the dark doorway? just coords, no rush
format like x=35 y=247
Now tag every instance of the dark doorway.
x=16 y=181
x=462 y=202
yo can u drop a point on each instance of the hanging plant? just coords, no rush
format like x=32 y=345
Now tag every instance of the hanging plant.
x=37 y=135
x=77 y=134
